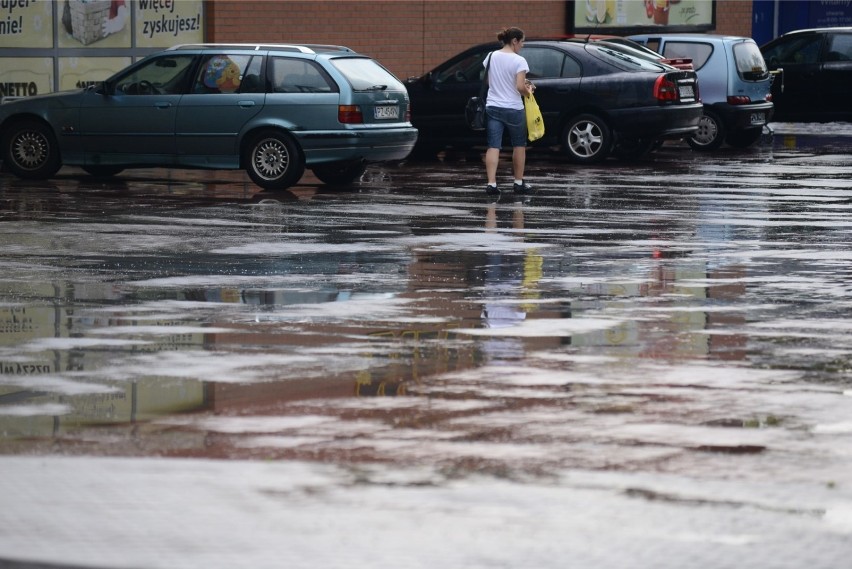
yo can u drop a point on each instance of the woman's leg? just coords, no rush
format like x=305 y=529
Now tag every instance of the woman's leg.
x=519 y=160
x=495 y=141
x=517 y=126
x=492 y=159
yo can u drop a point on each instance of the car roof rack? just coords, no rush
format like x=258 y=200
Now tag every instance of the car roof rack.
x=301 y=48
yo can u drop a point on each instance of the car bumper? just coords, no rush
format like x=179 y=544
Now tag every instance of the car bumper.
x=743 y=117
x=671 y=121
x=370 y=145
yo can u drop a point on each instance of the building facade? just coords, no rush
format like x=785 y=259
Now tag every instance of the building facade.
x=63 y=44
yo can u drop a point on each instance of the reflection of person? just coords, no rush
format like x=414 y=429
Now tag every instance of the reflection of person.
x=504 y=107
x=506 y=283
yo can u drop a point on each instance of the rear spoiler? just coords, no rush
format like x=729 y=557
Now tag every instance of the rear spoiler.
x=679 y=62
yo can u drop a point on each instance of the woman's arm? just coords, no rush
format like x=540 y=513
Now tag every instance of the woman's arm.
x=523 y=86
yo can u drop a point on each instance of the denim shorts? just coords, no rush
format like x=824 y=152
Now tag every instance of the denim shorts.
x=514 y=121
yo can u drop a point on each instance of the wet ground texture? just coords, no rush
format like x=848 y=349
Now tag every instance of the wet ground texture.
x=640 y=364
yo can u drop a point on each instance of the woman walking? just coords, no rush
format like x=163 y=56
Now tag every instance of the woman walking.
x=504 y=107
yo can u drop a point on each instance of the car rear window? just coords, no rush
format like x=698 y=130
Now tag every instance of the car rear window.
x=295 y=75
x=621 y=59
x=698 y=52
x=365 y=74
x=750 y=63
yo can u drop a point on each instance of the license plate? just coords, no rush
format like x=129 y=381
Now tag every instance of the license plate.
x=686 y=92
x=758 y=118
x=387 y=112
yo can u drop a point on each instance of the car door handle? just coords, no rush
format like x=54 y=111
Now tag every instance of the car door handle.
x=162 y=104
x=245 y=104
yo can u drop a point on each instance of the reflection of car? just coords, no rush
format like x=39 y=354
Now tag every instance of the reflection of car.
x=272 y=110
x=595 y=99
x=816 y=77
x=734 y=84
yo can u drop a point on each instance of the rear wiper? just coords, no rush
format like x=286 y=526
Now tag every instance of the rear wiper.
x=377 y=88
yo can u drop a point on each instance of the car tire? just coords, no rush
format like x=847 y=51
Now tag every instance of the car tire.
x=586 y=139
x=30 y=150
x=339 y=173
x=102 y=171
x=744 y=138
x=273 y=160
x=710 y=134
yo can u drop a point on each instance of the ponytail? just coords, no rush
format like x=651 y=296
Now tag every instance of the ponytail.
x=507 y=35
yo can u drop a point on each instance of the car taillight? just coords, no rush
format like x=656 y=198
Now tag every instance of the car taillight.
x=408 y=113
x=739 y=100
x=665 y=89
x=768 y=97
x=350 y=114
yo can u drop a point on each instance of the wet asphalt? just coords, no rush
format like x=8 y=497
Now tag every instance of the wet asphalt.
x=640 y=363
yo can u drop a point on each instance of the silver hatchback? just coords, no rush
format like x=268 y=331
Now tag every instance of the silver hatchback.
x=273 y=110
x=734 y=82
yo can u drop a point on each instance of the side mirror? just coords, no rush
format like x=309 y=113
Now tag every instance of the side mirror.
x=97 y=87
x=424 y=79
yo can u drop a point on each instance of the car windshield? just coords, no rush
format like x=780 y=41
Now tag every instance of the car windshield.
x=750 y=63
x=797 y=50
x=469 y=68
x=365 y=74
x=621 y=59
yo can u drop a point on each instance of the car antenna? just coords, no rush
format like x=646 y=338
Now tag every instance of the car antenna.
x=589 y=35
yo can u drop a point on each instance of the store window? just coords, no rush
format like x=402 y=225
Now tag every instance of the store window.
x=66 y=44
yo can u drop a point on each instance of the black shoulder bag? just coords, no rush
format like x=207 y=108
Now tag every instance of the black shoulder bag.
x=474 y=111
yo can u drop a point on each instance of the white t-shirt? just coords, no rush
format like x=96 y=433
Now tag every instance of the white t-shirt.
x=502 y=91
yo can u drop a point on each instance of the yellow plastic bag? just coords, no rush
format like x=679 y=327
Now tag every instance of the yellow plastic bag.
x=535 y=123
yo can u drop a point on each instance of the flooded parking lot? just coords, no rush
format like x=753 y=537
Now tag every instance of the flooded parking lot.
x=641 y=364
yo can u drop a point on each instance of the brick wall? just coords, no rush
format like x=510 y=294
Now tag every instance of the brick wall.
x=734 y=17
x=408 y=36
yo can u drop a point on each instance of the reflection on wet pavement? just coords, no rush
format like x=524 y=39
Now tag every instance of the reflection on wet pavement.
x=687 y=316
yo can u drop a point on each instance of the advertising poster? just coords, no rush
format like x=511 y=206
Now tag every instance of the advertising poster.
x=78 y=72
x=25 y=76
x=830 y=13
x=600 y=15
x=164 y=23
x=94 y=23
x=26 y=23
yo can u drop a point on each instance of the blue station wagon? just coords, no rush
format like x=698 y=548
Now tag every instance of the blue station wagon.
x=273 y=110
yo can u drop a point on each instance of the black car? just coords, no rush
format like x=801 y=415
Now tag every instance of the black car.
x=596 y=99
x=816 y=74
